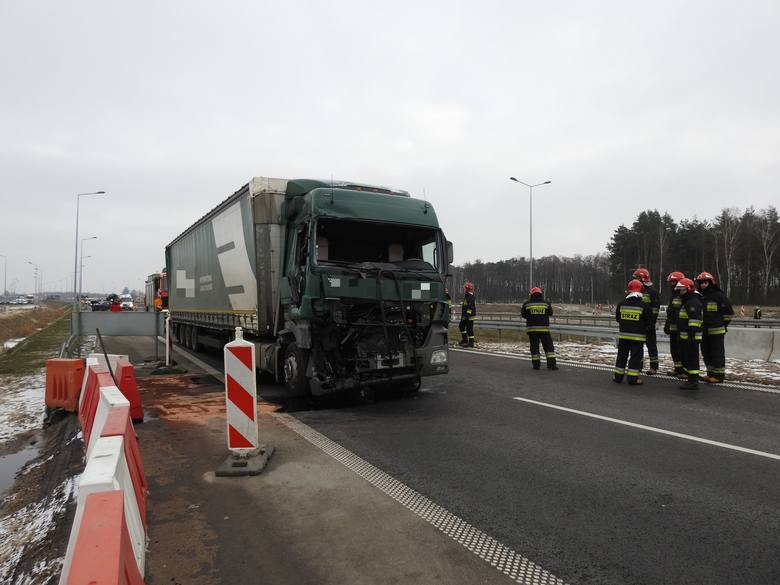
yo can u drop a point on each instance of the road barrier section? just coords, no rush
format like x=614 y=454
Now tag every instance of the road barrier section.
x=125 y=380
x=103 y=553
x=107 y=543
x=63 y=383
x=107 y=470
x=119 y=424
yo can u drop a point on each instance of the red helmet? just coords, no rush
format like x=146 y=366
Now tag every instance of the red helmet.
x=642 y=274
x=675 y=277
x=468 y=287
x=536 y=291
x=634 y=286
x=707 y=276
x=685 y=284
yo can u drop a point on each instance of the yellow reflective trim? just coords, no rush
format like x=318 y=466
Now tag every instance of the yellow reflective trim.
x=631 y=337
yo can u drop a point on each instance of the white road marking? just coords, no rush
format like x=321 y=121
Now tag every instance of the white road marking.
x=504 y=559
x=198 y=362
x=652 y=429
x=607 y=368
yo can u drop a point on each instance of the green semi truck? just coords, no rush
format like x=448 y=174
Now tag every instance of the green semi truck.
x=339 y=285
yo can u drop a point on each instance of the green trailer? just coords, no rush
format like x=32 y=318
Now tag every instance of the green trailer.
x=340 y=285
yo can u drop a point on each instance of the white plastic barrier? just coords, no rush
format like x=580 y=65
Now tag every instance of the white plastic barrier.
x=107 y=470
x=110 y=397
x=113 y=358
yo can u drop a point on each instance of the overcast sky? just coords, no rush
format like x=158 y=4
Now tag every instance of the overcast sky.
x=171 y=106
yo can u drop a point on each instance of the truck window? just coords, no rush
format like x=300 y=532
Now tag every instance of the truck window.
x=354 y=242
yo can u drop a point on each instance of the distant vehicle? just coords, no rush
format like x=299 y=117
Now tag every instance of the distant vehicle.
x=126 y=302
x=98 y=304
x=19 y=301
x=156 y=292
x=29 y=299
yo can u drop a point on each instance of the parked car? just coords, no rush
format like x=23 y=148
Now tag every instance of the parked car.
x=98 y=304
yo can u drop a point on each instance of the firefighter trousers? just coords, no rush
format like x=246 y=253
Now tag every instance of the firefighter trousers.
x=549 y=349
x=674 y=348
x=690 y=356
x=713 y=350
x=467 y=330
x=630 y=353
x=652 y=348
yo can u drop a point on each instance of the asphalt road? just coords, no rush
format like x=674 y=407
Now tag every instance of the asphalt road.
x=588 y=499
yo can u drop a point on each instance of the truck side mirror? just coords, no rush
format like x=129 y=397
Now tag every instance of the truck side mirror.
x=450 y=253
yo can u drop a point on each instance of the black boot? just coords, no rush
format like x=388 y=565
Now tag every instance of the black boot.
x=551 y=365
x=471 y=343
x=691 y=384
x=536 y=364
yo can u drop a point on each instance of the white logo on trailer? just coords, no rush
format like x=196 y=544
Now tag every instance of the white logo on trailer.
x=234 y=263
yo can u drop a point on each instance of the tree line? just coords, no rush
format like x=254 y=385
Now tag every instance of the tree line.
x=741 y=248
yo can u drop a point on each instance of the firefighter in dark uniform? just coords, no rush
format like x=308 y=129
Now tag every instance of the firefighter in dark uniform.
x=468 y=314
x=670 y=327
x=717 y=316
x=653 y=300
x=689 y=324
x=635 y=319
x=537 y=312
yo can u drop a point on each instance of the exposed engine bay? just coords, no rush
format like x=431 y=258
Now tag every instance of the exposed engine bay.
x=367 y=341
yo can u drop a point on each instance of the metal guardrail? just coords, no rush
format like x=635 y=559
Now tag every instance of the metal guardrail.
x=609 y=320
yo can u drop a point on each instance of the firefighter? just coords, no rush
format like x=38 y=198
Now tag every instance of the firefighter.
x=635 y=319
x=653 y=300
x=448 y=298
x=689 y=322
x=537 y=312
x=670 y=327
x=468 y=314
x=717 y=316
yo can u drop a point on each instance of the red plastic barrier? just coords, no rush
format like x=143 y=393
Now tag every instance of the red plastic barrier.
x=103 y=554
x=97 y=376
x=63 y=383
x=125 y=378
x=118 y=424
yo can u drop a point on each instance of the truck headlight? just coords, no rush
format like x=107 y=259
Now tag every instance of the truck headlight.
x=439 y=356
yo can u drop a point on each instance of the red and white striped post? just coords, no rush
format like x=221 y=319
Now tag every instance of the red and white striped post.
x=247 y=456
x=241 y=394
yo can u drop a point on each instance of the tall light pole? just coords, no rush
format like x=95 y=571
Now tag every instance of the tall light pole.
x=5 y=282
x=81 y=273
x=81 y=263
x=76 y=253
x=35 y=273
x=531 y=225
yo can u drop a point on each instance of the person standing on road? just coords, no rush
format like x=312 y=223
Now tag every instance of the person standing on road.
x=652 y=299
x=468 y=314
x=689 y=324
x=670 y=327
x=635 y=319
x=537 y=312
x=717 y=316
x=756 y=315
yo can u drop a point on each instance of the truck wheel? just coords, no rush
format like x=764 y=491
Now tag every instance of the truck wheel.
x=294 y=369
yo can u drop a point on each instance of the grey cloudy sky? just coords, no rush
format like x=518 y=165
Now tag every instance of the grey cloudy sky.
x=170 y=106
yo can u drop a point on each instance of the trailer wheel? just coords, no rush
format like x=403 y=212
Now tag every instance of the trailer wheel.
x=294 y=369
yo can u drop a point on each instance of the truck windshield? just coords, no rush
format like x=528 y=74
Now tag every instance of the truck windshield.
x=355 y=242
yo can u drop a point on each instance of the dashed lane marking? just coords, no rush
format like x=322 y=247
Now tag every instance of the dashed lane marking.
x=652 y=429
x=511 y=563
x=606 y=368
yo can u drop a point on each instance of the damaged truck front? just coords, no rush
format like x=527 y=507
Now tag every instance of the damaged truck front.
x=347 y=282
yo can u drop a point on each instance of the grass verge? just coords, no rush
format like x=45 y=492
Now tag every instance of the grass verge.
x=32 y=353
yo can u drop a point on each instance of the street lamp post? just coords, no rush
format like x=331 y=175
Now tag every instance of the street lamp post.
x=76 y=253
x=35 y=274
x=5 y=281
x=531 y=226
x=81 y=264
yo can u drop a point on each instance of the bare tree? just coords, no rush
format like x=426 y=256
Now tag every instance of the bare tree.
x=768 y=234
x=728 y=225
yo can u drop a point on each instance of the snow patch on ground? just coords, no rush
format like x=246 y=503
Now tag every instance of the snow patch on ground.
x=754 y=371
x=28 y=527
x=22 y=404
x=11 y=343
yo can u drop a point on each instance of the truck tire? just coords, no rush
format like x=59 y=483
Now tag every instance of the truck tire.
x=294 y=369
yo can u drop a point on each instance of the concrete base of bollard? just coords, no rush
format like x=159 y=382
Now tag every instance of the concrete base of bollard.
x=251 y=464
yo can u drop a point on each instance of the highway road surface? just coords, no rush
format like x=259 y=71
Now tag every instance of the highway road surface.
x=591 y=481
